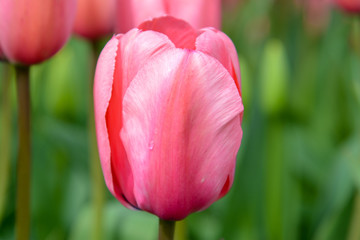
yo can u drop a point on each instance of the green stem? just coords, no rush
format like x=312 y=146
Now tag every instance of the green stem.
x=24 y=161
x=181 y=231
x=5 y=138
x=166 y=229
x=354 y=230
x=96 y=174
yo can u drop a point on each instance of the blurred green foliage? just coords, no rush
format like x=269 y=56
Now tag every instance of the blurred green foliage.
x=298 y=171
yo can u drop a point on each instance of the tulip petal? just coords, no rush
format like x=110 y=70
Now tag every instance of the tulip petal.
x=102 y=93
x=178 y=31
x=220 y=46
x=181 y=132
x=200 y=13
x=119 y=62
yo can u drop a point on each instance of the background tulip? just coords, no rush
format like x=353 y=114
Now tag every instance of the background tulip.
x=31 y=31
x=351 y=6
x=199 y=13
x=94 y=18
x=34 y=30
x=168 y=117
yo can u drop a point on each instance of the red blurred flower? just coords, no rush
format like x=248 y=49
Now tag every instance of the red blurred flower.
x=168 y=115
x=2 y=56
x=199 y=13
x=34 y=30
x=351 y=6
x=95 y=18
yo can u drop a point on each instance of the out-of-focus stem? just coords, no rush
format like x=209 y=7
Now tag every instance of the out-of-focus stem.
x=354 y=229
x=24 y=160
x=96 y=174
x=166 y=229
x=355 y=34
x=5 y=138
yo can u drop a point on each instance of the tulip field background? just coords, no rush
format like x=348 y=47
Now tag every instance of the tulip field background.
x=298 y=169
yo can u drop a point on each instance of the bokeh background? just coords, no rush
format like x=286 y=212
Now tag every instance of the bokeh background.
x=298 y=168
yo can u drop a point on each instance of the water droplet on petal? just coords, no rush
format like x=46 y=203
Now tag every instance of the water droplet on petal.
x=151 y=145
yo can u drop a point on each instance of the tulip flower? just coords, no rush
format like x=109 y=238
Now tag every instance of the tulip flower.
x=199 y=13
x=94 y=18
x=350 y=6
x=168 y=114
x=34 y=30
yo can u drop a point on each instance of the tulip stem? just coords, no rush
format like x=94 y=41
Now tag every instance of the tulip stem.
x=166 y=229
x=5 y=139
x=96 y=173
x=24 y=160
x=181 y=230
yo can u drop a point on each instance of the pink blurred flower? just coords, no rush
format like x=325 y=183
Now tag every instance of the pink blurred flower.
x=199 y=13
x=94 y=18
x=34 y=30
x=231 y=3
x=168 y=113
x=350 y=6
x=317 y=13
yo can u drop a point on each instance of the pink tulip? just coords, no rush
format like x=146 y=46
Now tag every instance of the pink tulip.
x=168 y=113
x=199 y=13
x=350 y=6
x=34 y=30
x=94 y=18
